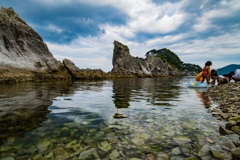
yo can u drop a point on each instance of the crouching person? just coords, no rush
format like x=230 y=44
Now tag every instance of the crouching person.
x=236 y=76
x=214 y=76
x=225 y=78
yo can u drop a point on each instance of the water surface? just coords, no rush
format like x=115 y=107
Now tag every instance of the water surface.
x=65 y=120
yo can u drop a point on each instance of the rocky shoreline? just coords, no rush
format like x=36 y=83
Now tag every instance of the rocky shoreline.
x=227 y=97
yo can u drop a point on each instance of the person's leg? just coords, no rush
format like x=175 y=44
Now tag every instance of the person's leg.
x=236 y=79
x=213 y=81
x=225 y=81
x=219 y=80
x=208 y=80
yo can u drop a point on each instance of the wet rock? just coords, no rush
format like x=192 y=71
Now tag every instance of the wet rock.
x=182 y=139
x=234 y=138
x=162 y=156
x=117 y=115
x=204 y=150
x=8 y=158
x=209 y=140
x=192 y=158
x=43 y=146
x=114 y=154
x=68 y=145
x=230 y=124
x=187 y=125
x=227 y=96
x=89 y=154
x=217 y=152
x=185 y=149
x=236 y=129
x=135 y=159
x=236 y=153
x=229 y=144
x=237 y=118
x=37 y=157
x=80 y=74
x=88 y=141
x=138 y=140
x=150 y=156
x=176 y=151
x=105 y=146
x=60 y=153
x=76 y=147
x=144 y=136
x=224 y=131
x=49 y=156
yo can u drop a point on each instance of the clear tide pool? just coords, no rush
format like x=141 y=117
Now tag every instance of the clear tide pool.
x=161 y=119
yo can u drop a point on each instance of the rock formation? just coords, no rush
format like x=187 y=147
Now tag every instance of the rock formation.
x=25 y=57
x=23 y=54
x=21 y=46
x=125 y=64
x=79 y=74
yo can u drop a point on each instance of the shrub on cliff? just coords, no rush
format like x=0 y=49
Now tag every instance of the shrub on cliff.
x=173 y=60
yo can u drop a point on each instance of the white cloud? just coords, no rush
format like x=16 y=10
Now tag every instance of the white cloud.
x=166 y=40
x=145 y=16
x=53 y=2
x=54 y=28
x=218 y=49
x=222 y=10
x=86 y=52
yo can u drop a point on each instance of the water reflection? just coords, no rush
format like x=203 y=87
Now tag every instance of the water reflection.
x=154 y=91
x=65 y=120
x=24 y=107
x=203 y=95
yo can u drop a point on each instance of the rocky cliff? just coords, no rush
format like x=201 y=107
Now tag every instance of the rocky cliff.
x=23 y=54
x=152 y=66
x=25 y=57
x=21 y=46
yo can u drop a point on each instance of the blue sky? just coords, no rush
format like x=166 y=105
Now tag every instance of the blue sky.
x=84 y=30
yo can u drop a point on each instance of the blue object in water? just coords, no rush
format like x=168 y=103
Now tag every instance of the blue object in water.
x=198 y=85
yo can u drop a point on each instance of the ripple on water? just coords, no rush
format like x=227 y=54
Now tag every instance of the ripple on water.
x=164 y=120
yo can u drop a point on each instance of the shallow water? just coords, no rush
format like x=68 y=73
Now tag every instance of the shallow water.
x=160 y=114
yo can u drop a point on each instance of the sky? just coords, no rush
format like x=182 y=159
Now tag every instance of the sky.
x=83 y=31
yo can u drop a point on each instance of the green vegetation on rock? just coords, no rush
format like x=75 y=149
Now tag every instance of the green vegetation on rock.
x=170 y=58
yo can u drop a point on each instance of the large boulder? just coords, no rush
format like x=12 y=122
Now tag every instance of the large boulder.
x=80 y=74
